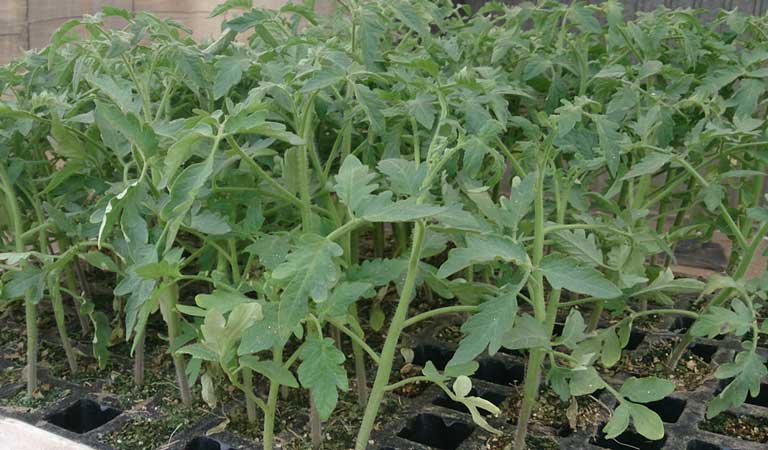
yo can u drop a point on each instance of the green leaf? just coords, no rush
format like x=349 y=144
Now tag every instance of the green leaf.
x=645 y=390
x=718 y=320
x=13 y=258
x=646 y=422
x=322 y=372
x=353 y=183
x=309 y=271
x=649 y=68
x=30 y=280
x=518 y=203
x=100 y=261
x=229 y=71
x=372 y=105
x=609 y=139
x=759 y=214
x=221 y=300
x=713 y=196
x=405 y=13
x=129 y=126
x=585 y=382
x=748 y=371
x=649 y=165
x=209 y=222
x=573 y=330
x=611 y=352
x=120 y=91
x=618 y=423
x=667 y=284
x=488 y=327
x=422 y=109
x=342 y=297
x=563 y=272
x=527 y=332
x=198 y=350
x=270 y=249
x=274 y=372
x=229 y=5
x=482 y=249
x=263 y=334
x=65 y=142
x=382 y=209
x=158 y=270
x=405 y=177
x=323 y=78
x=102 y=332
x=580 y=245
x=180 y=151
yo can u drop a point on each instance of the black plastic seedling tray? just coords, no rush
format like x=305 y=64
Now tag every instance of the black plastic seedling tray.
x=433 y=421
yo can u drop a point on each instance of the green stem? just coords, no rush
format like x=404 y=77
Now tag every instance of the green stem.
x=536 y=359
x=168 y=298
x=250 y=405
x=741 y=270
x=285 y=193
x=138 y=357
x=390 y=343
x=355 y=338
x=30 y=309
x=269 y=414
x=58 y=312
x=439 y=311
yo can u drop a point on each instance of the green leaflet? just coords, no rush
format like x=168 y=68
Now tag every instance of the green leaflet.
x=354 y=186
x=342 y=297
x=229 y=71
x=422 y=108
x=580 y=245
x=263 y=334
x=309 y=271
x=648 y=165
x=527 y=332
x=646 y=422
x=353 y=183
x=573 y=329
x=129 y=126
x=65 y=142
x=488 y=327
x=564 y=272
x=482 y=249
x=747 y=370
x=275 y=373
x=322 y=372
x=645 y=390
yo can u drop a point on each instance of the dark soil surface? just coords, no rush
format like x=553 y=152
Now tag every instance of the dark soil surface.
x=690 y=373
x=743 y=427
x=562 y=416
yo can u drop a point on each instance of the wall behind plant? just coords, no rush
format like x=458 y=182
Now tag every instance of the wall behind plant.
x=28 y=24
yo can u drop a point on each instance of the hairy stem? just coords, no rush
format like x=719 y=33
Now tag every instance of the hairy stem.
x=58 y=312
x=30 y=309
x=269 y=414
x=138 y=358
x=168 y=298
x=536 y=359
x=390 y=343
